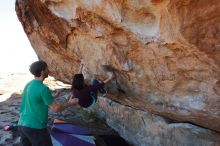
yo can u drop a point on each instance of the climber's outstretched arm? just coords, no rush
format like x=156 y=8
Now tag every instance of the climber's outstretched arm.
x=81 y=68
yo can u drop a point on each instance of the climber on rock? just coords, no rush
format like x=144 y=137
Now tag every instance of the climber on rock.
x=87 y=94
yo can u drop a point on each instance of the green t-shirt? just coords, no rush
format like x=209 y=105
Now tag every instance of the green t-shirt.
x=34 y=106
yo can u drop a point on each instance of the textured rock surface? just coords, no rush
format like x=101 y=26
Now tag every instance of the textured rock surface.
x=165 y=52
x=149 y=129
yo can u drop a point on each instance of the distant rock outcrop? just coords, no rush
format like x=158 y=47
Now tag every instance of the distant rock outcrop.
x=166 y=56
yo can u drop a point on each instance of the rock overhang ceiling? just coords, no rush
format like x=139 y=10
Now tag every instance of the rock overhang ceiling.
x=165 y=52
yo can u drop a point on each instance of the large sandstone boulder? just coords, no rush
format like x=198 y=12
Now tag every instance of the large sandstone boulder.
x=165 y=53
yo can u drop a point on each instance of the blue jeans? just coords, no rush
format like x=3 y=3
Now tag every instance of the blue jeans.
x=101 y=90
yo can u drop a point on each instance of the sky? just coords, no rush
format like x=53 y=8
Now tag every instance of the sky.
x=16 y=53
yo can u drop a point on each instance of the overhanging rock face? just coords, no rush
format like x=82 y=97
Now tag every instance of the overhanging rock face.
x=166 y=53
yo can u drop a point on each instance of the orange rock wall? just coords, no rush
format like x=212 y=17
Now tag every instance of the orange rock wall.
x=165 y=52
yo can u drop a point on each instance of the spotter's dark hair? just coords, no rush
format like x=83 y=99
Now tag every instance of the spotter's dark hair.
x=37 y=67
